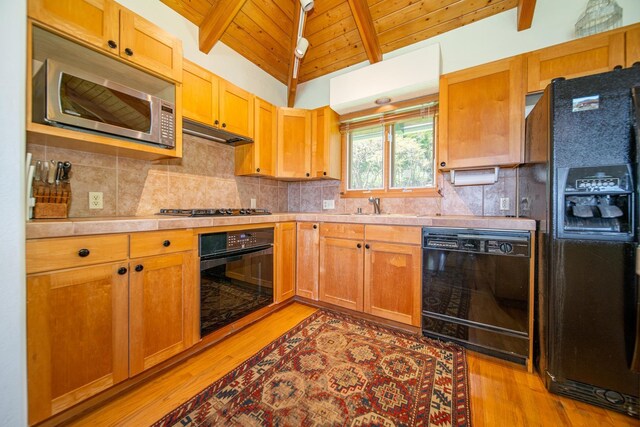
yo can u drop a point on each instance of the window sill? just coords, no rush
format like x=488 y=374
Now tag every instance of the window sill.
x=390 y=194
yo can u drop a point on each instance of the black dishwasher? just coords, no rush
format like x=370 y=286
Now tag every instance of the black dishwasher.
x=475 y=289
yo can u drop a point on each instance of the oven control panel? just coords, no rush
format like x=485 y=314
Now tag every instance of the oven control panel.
x=241 y=240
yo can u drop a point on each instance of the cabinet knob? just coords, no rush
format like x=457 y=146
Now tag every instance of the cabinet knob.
x=139 y=267
x=258 y=170
x=216 y=122
x=224 y=125
x=166 y=243
x=128 y=51
x=358 y=246
x=315 y=226
x=112 y=44
x=367 y=246
x=308 y=174
x=443 y=164
x=122 y=271
x=324 y=173
x=84 y=252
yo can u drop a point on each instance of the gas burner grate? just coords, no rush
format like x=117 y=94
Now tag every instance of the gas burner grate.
x=213 y=212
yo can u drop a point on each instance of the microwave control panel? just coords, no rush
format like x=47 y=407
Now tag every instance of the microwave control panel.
x=167 y=125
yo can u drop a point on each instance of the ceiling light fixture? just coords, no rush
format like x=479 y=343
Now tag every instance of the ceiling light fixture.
x=301 y=47
x=383 y=101
x=306 y=5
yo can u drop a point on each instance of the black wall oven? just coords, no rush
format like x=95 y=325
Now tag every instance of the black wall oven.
x=236 y=276
x=476 y=289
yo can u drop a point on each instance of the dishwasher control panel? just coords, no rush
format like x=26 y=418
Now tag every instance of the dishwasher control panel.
x=497 y=242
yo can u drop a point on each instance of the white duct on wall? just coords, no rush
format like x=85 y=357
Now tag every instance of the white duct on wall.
x=404 y=77
x=475 y=176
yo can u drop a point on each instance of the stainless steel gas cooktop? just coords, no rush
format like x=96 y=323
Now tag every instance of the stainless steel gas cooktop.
x=213 y=212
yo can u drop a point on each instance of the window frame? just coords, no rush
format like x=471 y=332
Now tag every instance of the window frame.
x=387 y=120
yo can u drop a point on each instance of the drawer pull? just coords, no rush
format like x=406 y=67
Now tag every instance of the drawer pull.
x=122 y=271
x=84 y=252
x=139 y=268
x=315 y=226
x=166 y=243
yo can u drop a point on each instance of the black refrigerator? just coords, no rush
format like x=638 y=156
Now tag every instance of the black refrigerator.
x=579 y=182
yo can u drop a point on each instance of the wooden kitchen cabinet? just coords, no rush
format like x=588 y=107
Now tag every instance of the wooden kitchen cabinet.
x=210 y=100
x=259 y=158
x=77 y=336
x=326 y=150
x=285 y=261
x=307 y=260
x=163 y=305
x=294 y=143
x=342 y=272
x=632 y=44
x=589 y=55
x=114 y=29
x=481 y=115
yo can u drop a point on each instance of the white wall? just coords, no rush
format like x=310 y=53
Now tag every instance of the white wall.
x=222 y=60
x=487 y=40
x=13 y=356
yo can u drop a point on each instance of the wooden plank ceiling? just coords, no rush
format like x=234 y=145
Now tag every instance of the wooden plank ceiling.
x=340 y=32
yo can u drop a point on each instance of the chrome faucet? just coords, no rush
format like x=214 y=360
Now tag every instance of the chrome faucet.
x=376 y=205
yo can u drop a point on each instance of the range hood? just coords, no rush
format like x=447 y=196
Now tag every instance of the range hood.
x=407 y=76
x=213 y=134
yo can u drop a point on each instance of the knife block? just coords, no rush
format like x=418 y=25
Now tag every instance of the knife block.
x=52 y=201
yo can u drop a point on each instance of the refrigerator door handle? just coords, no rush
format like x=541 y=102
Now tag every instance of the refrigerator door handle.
x=635 y=361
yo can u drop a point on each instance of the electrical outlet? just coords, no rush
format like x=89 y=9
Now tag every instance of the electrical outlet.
x=504 y=203
x=253 y=203
x=328 y=204
x=95 y=200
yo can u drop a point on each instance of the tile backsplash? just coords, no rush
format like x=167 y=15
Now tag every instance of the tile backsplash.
x=204 y=177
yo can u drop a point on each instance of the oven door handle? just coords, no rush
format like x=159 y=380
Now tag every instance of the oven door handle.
x=239 y=252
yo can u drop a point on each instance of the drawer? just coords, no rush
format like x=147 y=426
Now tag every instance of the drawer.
x=394 y=234
x=161 y=242
x=68 y=252
x=342 y=231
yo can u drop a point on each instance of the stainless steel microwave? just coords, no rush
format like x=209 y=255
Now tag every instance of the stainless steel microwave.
x=66 y=96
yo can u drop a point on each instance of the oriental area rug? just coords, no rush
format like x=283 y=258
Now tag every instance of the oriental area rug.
x=335 y=370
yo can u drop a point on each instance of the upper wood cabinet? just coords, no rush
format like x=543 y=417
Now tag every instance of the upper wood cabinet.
x=294 y=143
x=308 y=257
x=285 y=261
x=581 y=57
x=326 y=148
x=632 y=42
x=107 y=25
x=259 y=158
x=482 y=115
x=208 y=99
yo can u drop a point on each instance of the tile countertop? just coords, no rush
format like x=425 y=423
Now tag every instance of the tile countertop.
x=36 y=229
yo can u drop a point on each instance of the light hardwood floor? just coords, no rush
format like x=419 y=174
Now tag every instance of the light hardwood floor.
x=502 y=394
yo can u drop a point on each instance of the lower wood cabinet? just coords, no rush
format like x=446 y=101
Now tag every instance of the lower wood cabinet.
x=91 y=327
x=77 y=335
x=285 y=261
x=375 y=270
x=307 y=259
x=162 y=307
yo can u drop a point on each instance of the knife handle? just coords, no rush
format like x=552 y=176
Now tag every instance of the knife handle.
x=53 y=166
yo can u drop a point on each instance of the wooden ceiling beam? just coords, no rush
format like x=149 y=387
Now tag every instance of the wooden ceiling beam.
x=525 y=14
x=364 y=22
x=215 y=23
x=292 y=82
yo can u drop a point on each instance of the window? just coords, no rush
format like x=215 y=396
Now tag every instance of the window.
x=393 y=156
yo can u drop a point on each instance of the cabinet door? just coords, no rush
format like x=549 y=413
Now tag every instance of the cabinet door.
x=92 y=21
x=632 y=43
x=325 y=144
x=163 y=305
x=236 y=109
x=307 y=260
x=285 y=261
x=199 y=94
x=76 y=336
x=147 y=45
x=392 y=281
x=482 y=115
x=294 y=143
x=259 y=158
x=341 y=272
x=589 y=55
